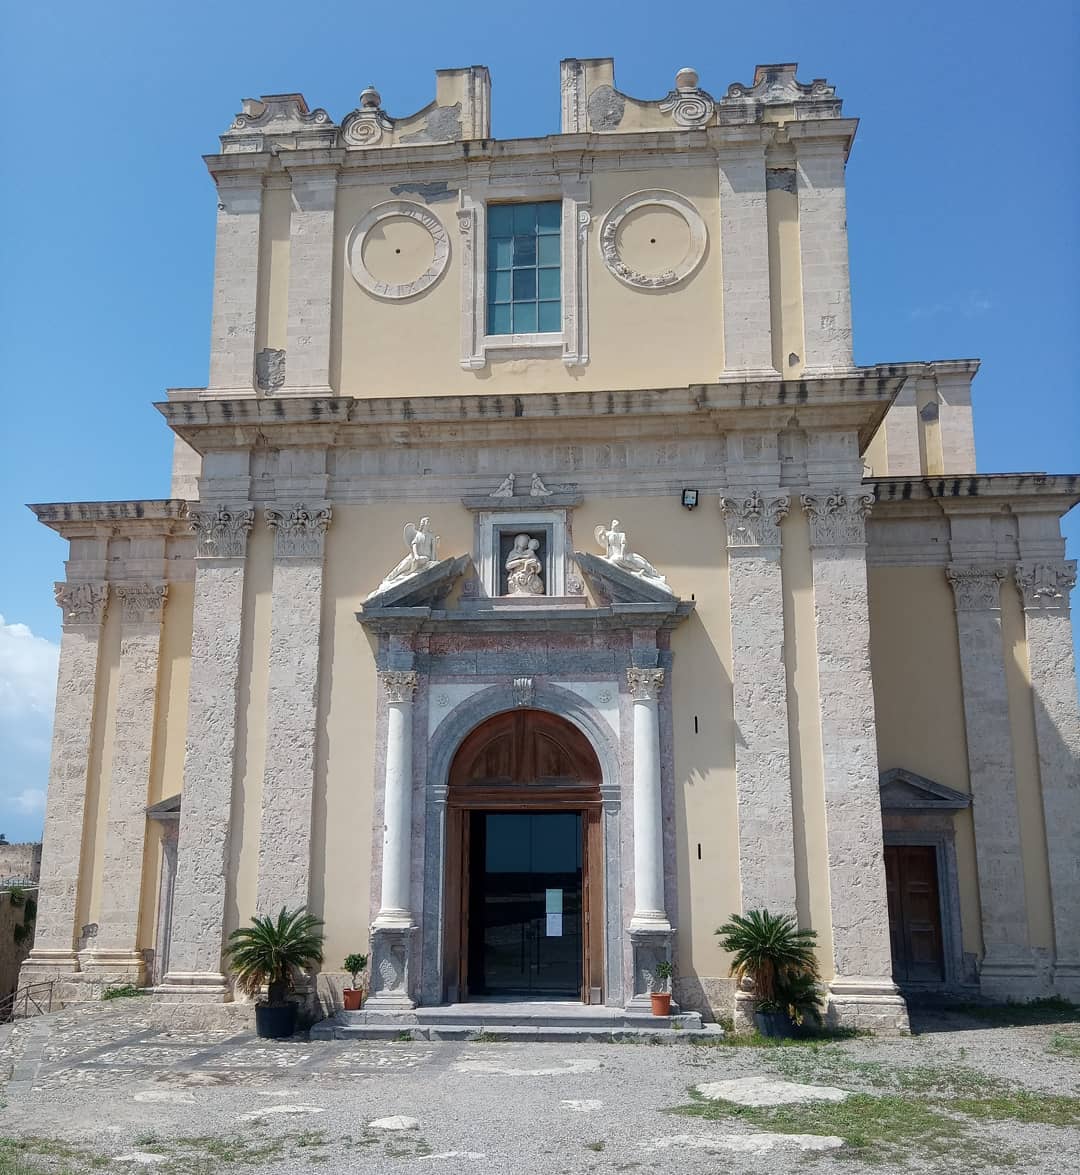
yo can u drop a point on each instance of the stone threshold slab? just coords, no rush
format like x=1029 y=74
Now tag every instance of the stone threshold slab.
x=538 y=1014
x=330 y=1030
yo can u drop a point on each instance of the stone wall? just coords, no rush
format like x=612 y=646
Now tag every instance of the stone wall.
x=11 y=952
x=20 y=862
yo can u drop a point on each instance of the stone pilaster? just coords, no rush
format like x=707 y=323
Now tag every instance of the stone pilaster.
x=1044 y=586
x=393 y=931
x=744 y=245
x=311 y=252
x=209 y=763
x=83 y=604
x=1007 y=966
x=289 y=771
x=762 y=754
x=861 y=992
x=115 y=954
x=236 y=285
x=823 y=250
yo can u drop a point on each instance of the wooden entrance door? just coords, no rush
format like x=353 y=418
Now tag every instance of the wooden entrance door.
x=914 y=913
x=539 y=766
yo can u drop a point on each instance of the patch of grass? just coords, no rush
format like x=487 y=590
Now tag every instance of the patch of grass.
x=121 y=991
x=835 y=1066
x=403 y=1037
x=308 y=1138
x=1046 y=1108
x=595 y=1146
x=487 y=1038
x=808 y=1038
x=1065 y=1045
x=37 y=1156
x=1051 y=1010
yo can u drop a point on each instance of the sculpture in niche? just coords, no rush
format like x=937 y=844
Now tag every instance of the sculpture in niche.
x=613 y=542
x=523 y=567
x=423 y=548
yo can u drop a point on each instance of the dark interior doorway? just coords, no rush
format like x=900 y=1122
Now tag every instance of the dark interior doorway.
x=911 y=876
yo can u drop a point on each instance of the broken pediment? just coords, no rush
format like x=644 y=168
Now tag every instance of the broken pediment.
x=901 y=789
x=425 y=589
x=614 y=585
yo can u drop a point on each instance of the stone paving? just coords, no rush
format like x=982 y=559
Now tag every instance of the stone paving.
x=116 y=1087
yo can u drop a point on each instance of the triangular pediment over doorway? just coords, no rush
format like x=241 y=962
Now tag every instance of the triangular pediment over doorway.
x=901 y=789
x=614 y=585
x=426 y=589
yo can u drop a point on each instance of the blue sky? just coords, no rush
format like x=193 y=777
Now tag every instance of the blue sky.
x=962 y=213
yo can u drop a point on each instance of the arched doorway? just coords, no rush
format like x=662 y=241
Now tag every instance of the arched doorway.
x=524 y=880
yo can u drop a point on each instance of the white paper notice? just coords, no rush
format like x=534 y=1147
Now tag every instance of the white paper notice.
x=554 y=926
x=553 y=906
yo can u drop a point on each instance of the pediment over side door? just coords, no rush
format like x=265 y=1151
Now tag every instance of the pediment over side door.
x=903 y=790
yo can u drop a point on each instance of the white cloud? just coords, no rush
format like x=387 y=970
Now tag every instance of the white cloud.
x=27 y=695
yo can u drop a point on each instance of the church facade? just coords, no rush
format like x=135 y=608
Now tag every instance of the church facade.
x=542 y=582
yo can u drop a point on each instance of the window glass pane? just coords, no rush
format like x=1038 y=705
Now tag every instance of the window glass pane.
x=524 y=284
x=499 y=286
x=524 y=219
x=499 y=320
x=500 y=220
x=501 y=252
x=524 y=250
x=550 y=316
x=549 y=216
x=548 y=283
x=524 y=317
x=547 y=250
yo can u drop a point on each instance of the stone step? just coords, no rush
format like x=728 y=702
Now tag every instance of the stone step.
x=494 y=1016
x=333 y=1029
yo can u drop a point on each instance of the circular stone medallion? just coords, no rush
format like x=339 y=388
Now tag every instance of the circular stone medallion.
x=653 y=239
x=397 y=250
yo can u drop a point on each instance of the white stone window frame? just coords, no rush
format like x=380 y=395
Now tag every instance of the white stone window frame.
x=572 y=342
x=493 y=523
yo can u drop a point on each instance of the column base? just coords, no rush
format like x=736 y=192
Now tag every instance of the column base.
x=1009 y=974
x=1067 y=979
x=197 y=987
x=866 y=1002
x=114 y=966
x=648 y=946
x=391 y=968
x=747 y=373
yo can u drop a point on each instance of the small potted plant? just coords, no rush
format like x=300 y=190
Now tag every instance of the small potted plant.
x=771 y=954
x=660 y=996
x=353 y=997
x=269 y=952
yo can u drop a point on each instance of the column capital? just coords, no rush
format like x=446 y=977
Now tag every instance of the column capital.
x=299 y=530
x=143 y=603
x=82 y=602
x=400 y=685
x=976 y=589
x=645 y=684
x=1045 y=584
x=754 y=521
x=837 y=519
x=221 y=532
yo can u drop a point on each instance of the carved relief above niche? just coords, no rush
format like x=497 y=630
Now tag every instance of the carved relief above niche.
x=397 y=250
x=653 y=239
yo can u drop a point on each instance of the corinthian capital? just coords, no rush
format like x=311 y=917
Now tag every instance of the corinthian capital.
x=754 y=521
x=221 y=533
x=977 y=589
x=143 y=602
x=299 y=530
x=645 y=684
x=1044 y=584
x=399 y=685
x=837 y=519
x=82 y=603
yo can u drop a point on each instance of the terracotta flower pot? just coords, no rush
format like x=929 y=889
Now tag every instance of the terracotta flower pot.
x=661 y=1003
x=353 y=998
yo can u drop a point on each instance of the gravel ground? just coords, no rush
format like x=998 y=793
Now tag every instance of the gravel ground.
x=109 y=1087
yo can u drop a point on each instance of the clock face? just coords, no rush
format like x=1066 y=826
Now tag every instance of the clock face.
x=397 y=250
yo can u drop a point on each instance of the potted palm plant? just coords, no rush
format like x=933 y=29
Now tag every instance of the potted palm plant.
x=269 y=953
x=353 y=997
x=777 y=960
x=660 y=996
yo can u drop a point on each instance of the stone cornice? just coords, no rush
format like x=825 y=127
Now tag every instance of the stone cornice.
x=1054 y=493
x=510 y=619
x=104 y=519
x=855 y=401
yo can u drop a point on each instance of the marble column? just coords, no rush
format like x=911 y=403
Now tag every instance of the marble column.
x=1007 y=967
x=393 y=929
x=209 y=763
x=823 y=248
x=762 y=754
x=115 y=953
x=55 y=930
x=1044 y=586
x=861 y=993
x=291 y=708
x=744 y=259
x=236 y=285
x=311 y=260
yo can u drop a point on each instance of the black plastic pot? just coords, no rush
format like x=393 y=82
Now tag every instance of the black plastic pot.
x=776 y=1024
x=275 y=1022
